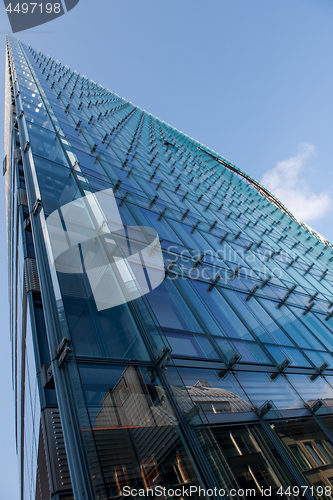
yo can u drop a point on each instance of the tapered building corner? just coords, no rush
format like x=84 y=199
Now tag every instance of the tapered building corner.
x=171 y=321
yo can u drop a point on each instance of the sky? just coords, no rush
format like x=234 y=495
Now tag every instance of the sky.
x=252 y=80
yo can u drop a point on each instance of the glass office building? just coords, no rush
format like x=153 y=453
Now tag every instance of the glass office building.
x=171 y=321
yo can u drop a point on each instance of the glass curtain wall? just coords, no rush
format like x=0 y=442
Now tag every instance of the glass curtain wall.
x=221 y=376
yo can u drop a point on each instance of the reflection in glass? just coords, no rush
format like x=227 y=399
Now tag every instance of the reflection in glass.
x=253 y=460
x=215 y=400
x=136 y=435
x=309 y=447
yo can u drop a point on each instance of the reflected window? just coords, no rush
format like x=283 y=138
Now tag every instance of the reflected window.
x=309 y=448
x=212 y=395
x=314 y=454
x=135 y=429
x=301 y=459
x=254 y=463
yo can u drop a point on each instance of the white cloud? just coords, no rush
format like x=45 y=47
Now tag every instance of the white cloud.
x=286 y=181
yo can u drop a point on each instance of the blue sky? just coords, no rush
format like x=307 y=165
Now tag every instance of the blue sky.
x=251 y=79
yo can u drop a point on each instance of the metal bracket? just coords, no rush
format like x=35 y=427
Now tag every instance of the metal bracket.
x=163 y=357
x=273 y=254
x=162 y=213
x=223 y=238
x=198 y=261
x=292 y=261
x=318 y=404
x=4 y=165
x=261 y=412
x=117 y=185
x=212 y=226
x=64 y=355
x=235 y=272
x=290 y=291
x=73 y=167
x=129 y=172
x=123 y=199
x=63 y=350
x=230 y=364
x=185 y=214
x=195 y=226
x=159 y=185
x=251 y=293
x=222 y=373
x=46 y=374
x=281 y=369
x=308 y=308
x=248 y=247
x=309 y=268
x=329 y=316
x=320 y=371
x=264 y=283
x=64 y=341
x=213 y=283
x=36 y=207
x=153 y=201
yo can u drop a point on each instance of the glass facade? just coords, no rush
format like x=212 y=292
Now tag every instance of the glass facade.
x=214 y=371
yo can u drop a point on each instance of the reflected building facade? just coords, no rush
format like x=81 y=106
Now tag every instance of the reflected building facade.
x=214 y=370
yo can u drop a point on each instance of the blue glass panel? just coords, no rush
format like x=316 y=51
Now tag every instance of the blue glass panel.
x=170 y=308
x=259 y=389
x=190 y=345
x=45 y=143
x=221 y=310
x=311 y=390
